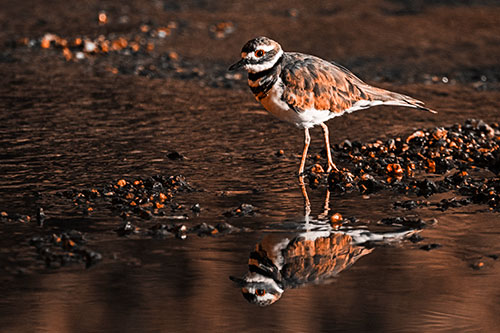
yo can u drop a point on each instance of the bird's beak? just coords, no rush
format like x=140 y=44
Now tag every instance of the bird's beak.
x=238 y=281
x=238 y=65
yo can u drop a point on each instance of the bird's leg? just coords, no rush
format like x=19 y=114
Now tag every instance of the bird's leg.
x=326 y=206
x=331 y=165
x=307 y=140
x=307 y=203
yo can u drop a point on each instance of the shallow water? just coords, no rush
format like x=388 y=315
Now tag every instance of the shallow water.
x=93 y=135
x=175 y=285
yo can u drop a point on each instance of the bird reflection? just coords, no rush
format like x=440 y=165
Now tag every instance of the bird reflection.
x=313 y=253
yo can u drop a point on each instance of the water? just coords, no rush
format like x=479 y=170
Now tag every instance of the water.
x=93 y=131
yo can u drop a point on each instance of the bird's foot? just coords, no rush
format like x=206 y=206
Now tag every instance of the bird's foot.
x=332 y=166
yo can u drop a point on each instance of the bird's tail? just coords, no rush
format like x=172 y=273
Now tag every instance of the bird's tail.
x=386 y=97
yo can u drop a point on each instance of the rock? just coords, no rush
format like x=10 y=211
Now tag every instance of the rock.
x=173 y=155
x=63 y=249
x=40 y=217
x=204 y=229
x=125 y=229
x=415 y=238
x=161 y=231
x=431 y=246
x=196 y=208
x=242 y=210
x=409 y=222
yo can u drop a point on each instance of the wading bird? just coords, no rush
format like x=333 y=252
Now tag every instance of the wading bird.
x=307 y=91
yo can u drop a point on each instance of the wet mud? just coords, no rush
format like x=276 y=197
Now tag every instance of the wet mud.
x=143 y=186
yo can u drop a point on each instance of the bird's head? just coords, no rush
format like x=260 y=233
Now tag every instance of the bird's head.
x=258 y=289
x=258 y=54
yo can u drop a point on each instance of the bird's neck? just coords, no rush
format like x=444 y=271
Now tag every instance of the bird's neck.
x=261 y=82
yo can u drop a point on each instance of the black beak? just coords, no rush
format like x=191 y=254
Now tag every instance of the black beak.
x=238 y=65
x=238 y=281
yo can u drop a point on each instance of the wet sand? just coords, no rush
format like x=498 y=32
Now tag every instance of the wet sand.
x=87 y=123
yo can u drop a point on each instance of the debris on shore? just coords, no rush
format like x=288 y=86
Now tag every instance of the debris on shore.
x=461 y=158
x=143 y=198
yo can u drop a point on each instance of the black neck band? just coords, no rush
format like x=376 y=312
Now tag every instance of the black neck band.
x=258 y=75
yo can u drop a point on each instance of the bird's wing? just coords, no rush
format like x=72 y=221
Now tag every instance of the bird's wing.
x=314 y=261
x=311 y=82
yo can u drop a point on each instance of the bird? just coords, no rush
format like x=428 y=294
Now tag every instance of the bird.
x=306 y=90
x=280 y=262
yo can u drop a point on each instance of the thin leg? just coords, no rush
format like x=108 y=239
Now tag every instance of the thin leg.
x=307 y=203
x=304 y=153
x=331 y=165
x=326 y=206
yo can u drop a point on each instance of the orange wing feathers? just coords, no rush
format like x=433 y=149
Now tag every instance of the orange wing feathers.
x=311 y=82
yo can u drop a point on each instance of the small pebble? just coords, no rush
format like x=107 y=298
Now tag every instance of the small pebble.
x=431 y=246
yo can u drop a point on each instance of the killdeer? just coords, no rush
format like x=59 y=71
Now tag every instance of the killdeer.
x=307 y=91
x=282 y=262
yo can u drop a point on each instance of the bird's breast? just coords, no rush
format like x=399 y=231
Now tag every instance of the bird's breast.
x=272 y=101
x=307 y=118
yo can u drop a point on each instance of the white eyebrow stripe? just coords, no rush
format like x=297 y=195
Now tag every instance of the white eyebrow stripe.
x=266 y=48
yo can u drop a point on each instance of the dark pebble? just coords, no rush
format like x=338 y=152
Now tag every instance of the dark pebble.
x=91 y=258
x=409 y=204
x=196 y=208
x=415 y=238
x=57 y=250
x=173 y=155
x=431 y=246
x=203 y=229
x=225 y=227
x=478 y=264
x=161 y=234
x=125 y=229
x=347 y=145
x=242 y=210
x=453 y=203
x=424 y=187
x=40 y=217
x=409 y=222
x=180 y=231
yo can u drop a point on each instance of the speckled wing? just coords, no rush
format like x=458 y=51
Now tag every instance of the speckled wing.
x=311 y=82
x=314 y=261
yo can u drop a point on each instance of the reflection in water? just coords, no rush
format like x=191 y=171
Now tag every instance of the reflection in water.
x=282 y=262
x=314 y=253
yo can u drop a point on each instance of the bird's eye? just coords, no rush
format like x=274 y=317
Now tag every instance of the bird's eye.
x=260 y=292
x=259 y=53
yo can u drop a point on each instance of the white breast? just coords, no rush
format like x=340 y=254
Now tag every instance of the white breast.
x=276 y=106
